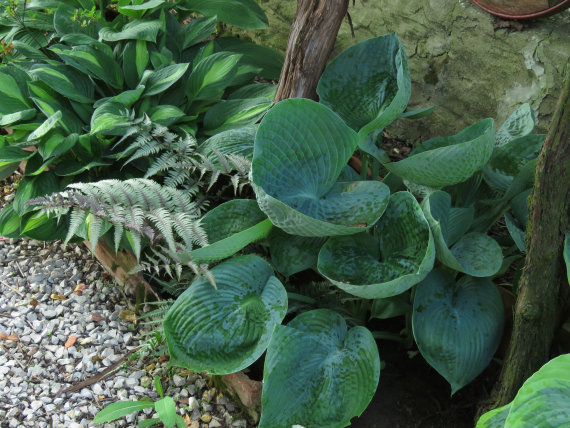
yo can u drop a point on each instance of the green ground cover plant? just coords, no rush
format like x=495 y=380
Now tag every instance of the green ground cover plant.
x=91 y=90
x=408 y=237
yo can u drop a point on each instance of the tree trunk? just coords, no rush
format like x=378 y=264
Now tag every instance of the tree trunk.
x=544 y=284
x=311 y=41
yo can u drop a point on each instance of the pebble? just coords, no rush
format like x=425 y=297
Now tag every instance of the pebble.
x=28 y=394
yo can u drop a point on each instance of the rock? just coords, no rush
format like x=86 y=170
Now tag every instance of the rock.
x=178 y=380
x=36 y=404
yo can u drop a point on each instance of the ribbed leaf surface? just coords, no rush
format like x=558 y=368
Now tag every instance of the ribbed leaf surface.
x=444 y=161
x=226 y=329
x=543 y=400
x=160 y=80
x=234 y=141
x=400 y=254
x=475 y=254
x=457 y=326
x=318 y=374
x=134 y=30
x=300 y=150
x=495 y=418
x=519 y=124
x=368 y=84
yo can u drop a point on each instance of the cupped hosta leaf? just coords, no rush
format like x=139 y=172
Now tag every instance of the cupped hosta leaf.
x=457 y=326
x=234 y=141
x=226 y=329
x=246 y=14
x=228 y=114
x=474 y=253
x=519 y=124
x=495 y=418
x=291 y=254
x=230 y=227
x=318 y=374
x=300 y=149
x=508 y=160
x=542 y=401
x=368 y=84
x=444 y=161
x=110 y=118
x=160 y=80
x=399 y=255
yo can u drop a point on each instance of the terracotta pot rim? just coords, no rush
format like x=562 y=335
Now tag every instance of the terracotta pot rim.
x=564 y=4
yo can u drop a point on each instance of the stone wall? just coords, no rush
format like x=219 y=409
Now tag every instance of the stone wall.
x=463 y=61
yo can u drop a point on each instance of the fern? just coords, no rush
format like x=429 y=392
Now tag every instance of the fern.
x=160 y=214
x=179 y=159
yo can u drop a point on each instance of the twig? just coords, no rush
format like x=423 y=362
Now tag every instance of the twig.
x=14 y=358
x=5 y=315
x=99 y=376
x=11 y=288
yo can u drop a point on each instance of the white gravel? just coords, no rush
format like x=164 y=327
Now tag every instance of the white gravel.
x=37 y=366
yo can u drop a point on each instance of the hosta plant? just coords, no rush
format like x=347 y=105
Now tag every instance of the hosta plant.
x=82 y=74
x=377 y=240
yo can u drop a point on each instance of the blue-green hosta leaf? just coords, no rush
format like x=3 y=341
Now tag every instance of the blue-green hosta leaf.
x=110 y=118
x=66 y=81
x=300 y=149
x=245 y=14
x=136 y=29
x=9 y=119
x=516 y=232
x=457 y=326
x=291 y=254
x=226 y=329
x=474 y=253
x=93 y=62
x=368 y=84
x=318 y=374
x=234 y=141
x=495 y=418
x=398 y=256
x=542 y=401
x=230 y=227
x=519 y=124
x=509 y=159
x=444 y=161
x=160 y=80
x=212 y=75
x=229 y=114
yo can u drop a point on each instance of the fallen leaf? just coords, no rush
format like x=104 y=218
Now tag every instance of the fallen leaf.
x=150 y=367
x=163 y=358
x=184 y=401
x=79 y=289
x=13 y=337
x=102 y=397
x=187 y=417
x=70 y=341
x=32 y=352
x=186 y=372
x=34 y=302
x=86 y=341
x=97 y=317
x=57 y=296
x=128 y=316
x=96 y=358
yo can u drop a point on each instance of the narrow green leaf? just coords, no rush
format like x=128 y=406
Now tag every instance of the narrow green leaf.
x=67 y=82
x=119 y=409
x=111 y=118
x=158 y=81
x=212 y=75
x=245 y=14
x=235 y=113
x=198 y=30
x=45 y=127
x=9 y=119
x=166 y=409
x=134 y=30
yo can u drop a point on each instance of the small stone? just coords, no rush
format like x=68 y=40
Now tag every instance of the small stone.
x=193 y=403
x=206 y=417
x=98 y=390
x=214 y=424
x=50 y=314
x=178 y=380
x=36 y=404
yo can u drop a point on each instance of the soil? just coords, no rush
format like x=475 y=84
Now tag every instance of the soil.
x=411 y=394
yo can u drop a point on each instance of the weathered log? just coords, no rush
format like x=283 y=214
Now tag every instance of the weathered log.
x=311 y=41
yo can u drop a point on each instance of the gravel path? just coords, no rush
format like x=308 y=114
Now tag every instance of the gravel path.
x=41 y=313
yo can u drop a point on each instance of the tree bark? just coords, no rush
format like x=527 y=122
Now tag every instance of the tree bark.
x=543 y=291
x=311 y=41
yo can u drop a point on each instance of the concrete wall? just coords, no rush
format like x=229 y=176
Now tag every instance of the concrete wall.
x=461 y=59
